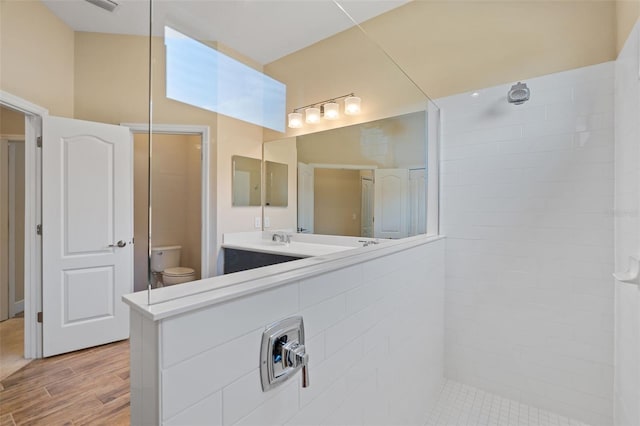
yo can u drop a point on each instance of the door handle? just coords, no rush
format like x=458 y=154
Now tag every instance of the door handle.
x=118 y=244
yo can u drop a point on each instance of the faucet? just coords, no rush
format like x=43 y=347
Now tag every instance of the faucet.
x=281 y=237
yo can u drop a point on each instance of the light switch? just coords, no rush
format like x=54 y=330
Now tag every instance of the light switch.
x=257 y=222
x=267 y=222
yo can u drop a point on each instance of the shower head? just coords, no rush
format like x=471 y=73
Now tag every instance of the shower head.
x=518 y=94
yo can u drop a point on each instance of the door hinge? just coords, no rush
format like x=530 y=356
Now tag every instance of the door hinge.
x=39 y=318
x=39 y=229
x=39 y=141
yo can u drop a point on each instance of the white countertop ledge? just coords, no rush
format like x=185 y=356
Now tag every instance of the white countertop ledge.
x=178 y=299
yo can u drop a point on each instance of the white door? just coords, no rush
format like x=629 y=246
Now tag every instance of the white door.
x=390 y=200
x=417 y=202
x=367 y=207
x=305 y=198
x=87 y=187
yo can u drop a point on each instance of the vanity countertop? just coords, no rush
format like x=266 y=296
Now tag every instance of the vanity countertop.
x=295 y=248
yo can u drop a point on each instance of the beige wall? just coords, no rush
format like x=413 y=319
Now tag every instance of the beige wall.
x=447 y=47
x=284 y=151
x=627 y=13
x=337 y=202
x=11 y=122
x=397 y=142
x=176 y=199
x=36 y=56
x=466 y=45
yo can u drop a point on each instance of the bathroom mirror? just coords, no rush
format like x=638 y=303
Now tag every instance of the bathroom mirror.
x=246 y=181
x=276 y=184
x=348 y=176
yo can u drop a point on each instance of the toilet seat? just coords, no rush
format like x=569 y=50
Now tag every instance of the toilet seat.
x=178 y=271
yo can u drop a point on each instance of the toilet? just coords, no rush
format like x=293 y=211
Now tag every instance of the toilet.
x=166 y=261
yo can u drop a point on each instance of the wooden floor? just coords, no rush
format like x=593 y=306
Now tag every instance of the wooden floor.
x=89 y=387
x=11 y=346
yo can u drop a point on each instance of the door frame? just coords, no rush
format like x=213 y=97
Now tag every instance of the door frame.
x=207 y=242
x=33 y=216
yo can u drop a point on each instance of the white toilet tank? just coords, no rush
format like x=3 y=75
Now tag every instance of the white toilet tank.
x=165 y=257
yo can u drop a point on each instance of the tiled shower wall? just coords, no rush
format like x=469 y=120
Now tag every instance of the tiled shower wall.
x=527 y=210
x=374 y=333
x=627 y=235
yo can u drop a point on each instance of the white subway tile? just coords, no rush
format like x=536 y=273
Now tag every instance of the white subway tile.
x=204 y=413
x=322 y=375
x=319 y=317
x=366 y=295
x=193 y=379
x=315 y=290
x=485 y=135
x=198 y=331
x=340 y=334
x=349 y=413
x=315 y=347
x=276 y=410
x=321 y=407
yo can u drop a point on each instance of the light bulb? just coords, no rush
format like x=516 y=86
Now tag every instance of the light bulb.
x=331 y=111
x=312 y=115
x=352 y=105
x=295 y=120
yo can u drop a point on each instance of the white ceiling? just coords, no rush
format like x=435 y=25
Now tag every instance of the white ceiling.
x=264 y=30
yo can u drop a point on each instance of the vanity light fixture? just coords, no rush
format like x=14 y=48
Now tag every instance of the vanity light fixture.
x=329 y=109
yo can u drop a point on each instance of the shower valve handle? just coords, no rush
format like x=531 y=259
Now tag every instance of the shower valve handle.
x=295 y=355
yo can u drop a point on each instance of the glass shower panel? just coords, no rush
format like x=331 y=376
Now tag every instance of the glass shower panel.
x=239 y=68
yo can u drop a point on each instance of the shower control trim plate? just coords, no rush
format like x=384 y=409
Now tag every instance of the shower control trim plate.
x=283 y=353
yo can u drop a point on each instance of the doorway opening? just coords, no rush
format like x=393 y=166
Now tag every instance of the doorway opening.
x=171 y=204
x=12 y=240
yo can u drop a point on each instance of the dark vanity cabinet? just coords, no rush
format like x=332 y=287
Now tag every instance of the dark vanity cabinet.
x=240 y=260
